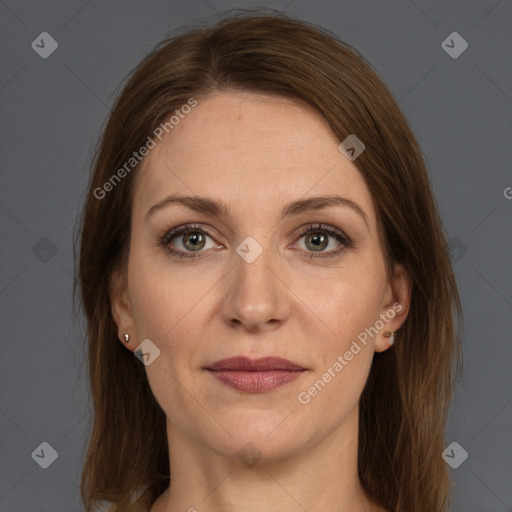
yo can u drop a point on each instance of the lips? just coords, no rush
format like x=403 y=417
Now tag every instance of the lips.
x=255 y=375
x=254 y=365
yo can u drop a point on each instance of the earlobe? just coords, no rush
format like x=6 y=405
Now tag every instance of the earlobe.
x=396 y=309
x=390 y=335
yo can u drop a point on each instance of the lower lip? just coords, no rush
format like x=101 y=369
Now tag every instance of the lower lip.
x=258 y=381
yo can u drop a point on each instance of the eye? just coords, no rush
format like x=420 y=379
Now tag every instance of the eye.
x=183 y=241
x=319 y=237
x=191 y=241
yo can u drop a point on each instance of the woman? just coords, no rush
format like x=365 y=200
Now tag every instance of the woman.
x=260 y=232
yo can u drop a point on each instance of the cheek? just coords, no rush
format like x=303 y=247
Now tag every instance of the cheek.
x=167 y=313
x=171 y=312
x=335 y=392
x=164 y=302
x=343 y=365
x=348 y=304
x=348 y=308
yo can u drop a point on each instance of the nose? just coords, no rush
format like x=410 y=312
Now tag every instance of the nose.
x=256 y=297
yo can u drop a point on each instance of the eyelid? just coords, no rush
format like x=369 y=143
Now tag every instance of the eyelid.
x=184 y=229
x=344 y=240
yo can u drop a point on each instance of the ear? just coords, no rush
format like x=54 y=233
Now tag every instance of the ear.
x=396 y=305
x=121 y=308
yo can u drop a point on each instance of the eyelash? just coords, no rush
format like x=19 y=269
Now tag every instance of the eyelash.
x=346 y=241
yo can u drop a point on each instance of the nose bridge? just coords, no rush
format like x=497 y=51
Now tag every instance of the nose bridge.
x=255 y=296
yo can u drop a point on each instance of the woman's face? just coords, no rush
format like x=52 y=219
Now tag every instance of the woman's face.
x=249 y=281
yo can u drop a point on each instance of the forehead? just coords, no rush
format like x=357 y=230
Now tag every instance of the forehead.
x=249 y=149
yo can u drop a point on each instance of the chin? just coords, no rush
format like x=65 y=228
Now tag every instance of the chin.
x=266 y=439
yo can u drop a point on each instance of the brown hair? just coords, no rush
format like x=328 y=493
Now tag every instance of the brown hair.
x=404 y=406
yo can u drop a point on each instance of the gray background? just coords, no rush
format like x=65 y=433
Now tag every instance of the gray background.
x=51 y=113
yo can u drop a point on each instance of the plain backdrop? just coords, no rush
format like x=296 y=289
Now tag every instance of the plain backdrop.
x=51 y=113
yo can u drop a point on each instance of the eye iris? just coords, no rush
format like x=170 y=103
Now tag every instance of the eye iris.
x=319 y=241
x=196 y=238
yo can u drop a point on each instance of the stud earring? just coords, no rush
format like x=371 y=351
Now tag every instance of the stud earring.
x=390 y=335
x=126 y=338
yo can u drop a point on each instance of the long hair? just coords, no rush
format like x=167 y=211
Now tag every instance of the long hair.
x=404 y=405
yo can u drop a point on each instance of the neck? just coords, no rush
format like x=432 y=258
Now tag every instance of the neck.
x=321 y=477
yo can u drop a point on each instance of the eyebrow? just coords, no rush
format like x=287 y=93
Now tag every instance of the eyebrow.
x=219 y=208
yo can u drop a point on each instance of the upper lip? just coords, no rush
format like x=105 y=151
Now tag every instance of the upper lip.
x=252 y=365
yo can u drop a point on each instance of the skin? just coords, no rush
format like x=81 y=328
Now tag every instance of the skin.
x=257 y=154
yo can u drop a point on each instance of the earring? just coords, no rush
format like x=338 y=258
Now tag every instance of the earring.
x=126 y=338
x=390 y=335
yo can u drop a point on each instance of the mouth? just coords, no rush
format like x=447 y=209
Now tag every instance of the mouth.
x=255 y=375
